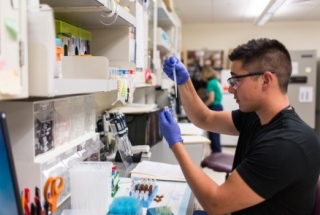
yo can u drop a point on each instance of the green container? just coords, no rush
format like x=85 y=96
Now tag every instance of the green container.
x=84 y=35
x=63 y=28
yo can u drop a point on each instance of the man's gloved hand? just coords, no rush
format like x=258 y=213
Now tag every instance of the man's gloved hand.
x=170 y=128
x=181 y=71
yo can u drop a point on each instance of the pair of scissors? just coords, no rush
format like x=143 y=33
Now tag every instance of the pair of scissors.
x=52 y=191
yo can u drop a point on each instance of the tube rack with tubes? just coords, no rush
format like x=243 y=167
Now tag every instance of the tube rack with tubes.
x=145 y=191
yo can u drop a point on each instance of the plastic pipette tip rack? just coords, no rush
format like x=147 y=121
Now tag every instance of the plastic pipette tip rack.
x=144 y=192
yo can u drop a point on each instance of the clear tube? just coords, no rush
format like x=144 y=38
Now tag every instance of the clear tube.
x=175 y=81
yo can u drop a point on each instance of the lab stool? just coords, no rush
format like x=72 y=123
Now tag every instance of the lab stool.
x=219 y=162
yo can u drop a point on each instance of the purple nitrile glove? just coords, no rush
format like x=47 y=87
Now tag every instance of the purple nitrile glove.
x=170 y=128
x=181 y=71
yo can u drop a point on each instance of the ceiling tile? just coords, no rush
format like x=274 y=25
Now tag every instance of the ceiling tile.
x=209 y=11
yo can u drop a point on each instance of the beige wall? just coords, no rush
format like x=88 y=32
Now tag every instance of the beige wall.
x=294 y=35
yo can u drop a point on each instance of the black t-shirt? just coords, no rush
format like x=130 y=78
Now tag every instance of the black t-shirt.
x=280 y=161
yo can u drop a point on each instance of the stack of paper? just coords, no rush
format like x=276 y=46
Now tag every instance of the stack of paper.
x=159 y=171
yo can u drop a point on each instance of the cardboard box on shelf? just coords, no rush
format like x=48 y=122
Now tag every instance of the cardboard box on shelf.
x=169 y=5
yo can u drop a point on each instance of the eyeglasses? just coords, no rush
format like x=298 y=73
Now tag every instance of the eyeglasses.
x=234 y=82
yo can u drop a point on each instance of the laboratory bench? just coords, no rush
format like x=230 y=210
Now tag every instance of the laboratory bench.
x=162 y=153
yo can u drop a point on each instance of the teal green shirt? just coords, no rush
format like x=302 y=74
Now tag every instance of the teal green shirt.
x=213 y=85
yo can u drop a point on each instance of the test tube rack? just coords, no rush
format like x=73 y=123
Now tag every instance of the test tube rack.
x=139 y=192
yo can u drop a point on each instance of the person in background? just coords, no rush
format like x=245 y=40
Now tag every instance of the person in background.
x=214 y=92
x=277 y=159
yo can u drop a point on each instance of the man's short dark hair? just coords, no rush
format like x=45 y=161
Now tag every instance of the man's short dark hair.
x=265 y=54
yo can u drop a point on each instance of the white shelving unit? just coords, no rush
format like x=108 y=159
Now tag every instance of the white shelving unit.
x=33 y=168
x=90 y=13
x=80 y=75
x=84 y=74
x=165 y=18
x=112 y=43
x=163 y=44
x=168 y=23
x=111 y=46
x=91 y=72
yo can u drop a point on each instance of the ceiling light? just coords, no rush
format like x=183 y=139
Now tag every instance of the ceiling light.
x=264 y=19
x=267 y=13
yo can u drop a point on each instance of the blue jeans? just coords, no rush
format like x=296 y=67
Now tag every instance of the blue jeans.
x=215 y=137
x=198 y=212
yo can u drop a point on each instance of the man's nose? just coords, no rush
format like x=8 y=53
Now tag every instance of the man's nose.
x=231 y=89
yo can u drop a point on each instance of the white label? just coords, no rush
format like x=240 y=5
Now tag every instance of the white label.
x=295 y=68
x=305 y=94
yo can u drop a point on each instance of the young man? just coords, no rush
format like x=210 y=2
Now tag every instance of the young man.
x=277 y=160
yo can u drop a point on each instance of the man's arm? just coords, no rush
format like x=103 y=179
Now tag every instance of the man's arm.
x=233 y=195
x=201 y=116
x=196 y=110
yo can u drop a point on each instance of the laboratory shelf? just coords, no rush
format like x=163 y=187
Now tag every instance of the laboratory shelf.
x=163 y=42
x=143 y=85
x=80 y=86
x=79 y=75
x=163 y=48
x=165 y=18
x=90 y=13
x=123 y=65
x=63 y=148
x=35 y=161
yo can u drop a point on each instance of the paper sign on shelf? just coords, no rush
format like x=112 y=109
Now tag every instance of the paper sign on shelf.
x=10 y=82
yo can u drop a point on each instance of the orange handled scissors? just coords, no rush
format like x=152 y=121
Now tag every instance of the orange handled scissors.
x=52 y=192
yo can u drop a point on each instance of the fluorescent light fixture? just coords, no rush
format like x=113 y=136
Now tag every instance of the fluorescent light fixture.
x=264 y=19
x=267 y=13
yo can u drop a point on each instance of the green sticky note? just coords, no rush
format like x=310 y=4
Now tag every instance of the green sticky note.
x=12 y=27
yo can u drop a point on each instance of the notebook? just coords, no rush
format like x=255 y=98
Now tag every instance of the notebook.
x=10 y=203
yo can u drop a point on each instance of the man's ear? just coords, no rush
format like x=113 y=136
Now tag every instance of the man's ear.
x=267 y=77
x=266 y=80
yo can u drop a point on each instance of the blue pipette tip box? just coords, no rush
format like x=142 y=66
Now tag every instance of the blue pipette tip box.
x=125 y=205
x=146 y=203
